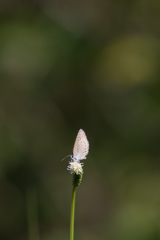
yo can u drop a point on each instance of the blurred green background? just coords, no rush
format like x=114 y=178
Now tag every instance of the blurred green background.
x=93 y=65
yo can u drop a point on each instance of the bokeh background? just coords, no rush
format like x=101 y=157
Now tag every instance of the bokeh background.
x=66 y=65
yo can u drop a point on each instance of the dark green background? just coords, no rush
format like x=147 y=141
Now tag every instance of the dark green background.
x=66 y=65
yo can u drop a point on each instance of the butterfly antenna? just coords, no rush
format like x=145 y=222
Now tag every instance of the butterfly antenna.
x=65 y=157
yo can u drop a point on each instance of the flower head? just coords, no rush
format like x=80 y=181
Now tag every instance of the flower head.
x=75 y=167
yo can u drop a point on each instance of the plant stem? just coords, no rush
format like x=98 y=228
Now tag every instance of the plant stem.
x=72 y=213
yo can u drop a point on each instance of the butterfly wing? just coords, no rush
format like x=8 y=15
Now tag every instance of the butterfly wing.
x=81 y=146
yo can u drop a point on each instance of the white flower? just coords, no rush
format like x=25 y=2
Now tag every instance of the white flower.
x=75 y=167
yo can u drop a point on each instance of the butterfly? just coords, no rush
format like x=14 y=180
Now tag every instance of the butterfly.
x=80 y=148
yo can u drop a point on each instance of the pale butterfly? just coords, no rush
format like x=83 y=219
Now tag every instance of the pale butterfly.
x=80 y=148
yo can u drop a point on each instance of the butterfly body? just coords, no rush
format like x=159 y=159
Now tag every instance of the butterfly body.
x=81 y=147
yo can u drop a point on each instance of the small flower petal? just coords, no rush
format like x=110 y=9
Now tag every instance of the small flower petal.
x=75 y=167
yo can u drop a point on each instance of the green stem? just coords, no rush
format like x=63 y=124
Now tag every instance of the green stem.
x=72 y=213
